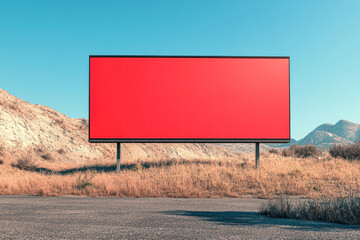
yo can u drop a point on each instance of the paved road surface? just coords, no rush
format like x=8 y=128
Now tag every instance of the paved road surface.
x=115 y=218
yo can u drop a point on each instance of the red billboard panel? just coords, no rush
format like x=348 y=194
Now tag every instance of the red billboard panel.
x=189 y=99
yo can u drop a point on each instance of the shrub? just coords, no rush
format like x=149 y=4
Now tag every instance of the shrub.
x=1 y=151
x=39 y=150
x=274 y=151
x=61 y=151
x=84 y=124
x=14 y=106
x=1 y=162
x=25 y=164
x=46 y=156
x=301 y=151
x=341 y=210
x=138 y=167
x=59 y=121
x=351 y=152
x=83 y=181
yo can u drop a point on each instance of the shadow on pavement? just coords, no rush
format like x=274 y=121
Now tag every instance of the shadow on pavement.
x=254 y=218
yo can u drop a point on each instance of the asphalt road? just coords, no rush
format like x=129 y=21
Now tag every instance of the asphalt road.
x=27 y=217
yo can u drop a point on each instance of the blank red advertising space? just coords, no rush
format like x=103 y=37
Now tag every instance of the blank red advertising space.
x=189 y=98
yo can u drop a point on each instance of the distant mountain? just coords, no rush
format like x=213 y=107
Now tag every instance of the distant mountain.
x=326 y=135
x=342 y=128
x=323 y=139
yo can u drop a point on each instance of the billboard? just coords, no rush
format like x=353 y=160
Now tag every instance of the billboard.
x=189 y=99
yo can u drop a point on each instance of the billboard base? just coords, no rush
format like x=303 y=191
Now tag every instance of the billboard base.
x=257 y=155
x=118 y=155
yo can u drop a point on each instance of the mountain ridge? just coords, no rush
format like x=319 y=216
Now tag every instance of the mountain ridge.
x=326 y=135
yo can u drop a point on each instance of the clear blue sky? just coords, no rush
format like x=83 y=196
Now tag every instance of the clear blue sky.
x=44 y=46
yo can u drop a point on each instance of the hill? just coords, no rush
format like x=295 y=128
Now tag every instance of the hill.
x=327 y=134
x=44 y=134
x=343 y=128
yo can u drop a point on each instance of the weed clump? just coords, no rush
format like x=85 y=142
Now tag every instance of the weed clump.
x=1 y=151
x=61 y=151
x=59 y=121
x=25 y=164
x=138 y=167
x=83 y=181
x=44 y=154
x=47 y=157
x=274 y=151
x=350 y=152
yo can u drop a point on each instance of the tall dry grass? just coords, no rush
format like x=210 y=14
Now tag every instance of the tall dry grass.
x=345 y=210
x=278 y=175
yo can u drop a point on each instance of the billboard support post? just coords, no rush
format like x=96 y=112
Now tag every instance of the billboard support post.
x=118 y=146
x=257 y=155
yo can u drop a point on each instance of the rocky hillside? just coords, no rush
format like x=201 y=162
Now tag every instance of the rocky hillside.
x=243 y=147
x=326 y=135
x=39 y=132
x=343 y=128
x=323 y=139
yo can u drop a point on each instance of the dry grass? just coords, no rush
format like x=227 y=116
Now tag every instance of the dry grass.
x=344 y=210
x=25 y=164
x=278 y=175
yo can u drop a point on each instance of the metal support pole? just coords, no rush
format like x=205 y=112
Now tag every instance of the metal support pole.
x=257 y=155
x=118 y=157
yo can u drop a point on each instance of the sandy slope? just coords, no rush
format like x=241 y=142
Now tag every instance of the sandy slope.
x=44 y=134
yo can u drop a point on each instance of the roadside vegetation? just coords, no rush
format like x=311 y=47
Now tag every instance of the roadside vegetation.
x=300 y=172
x=298 y=151
x=345 y=210
x=350 y=152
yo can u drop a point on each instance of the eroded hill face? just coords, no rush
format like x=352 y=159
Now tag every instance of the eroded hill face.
x=326 y=135
x=39 y=132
